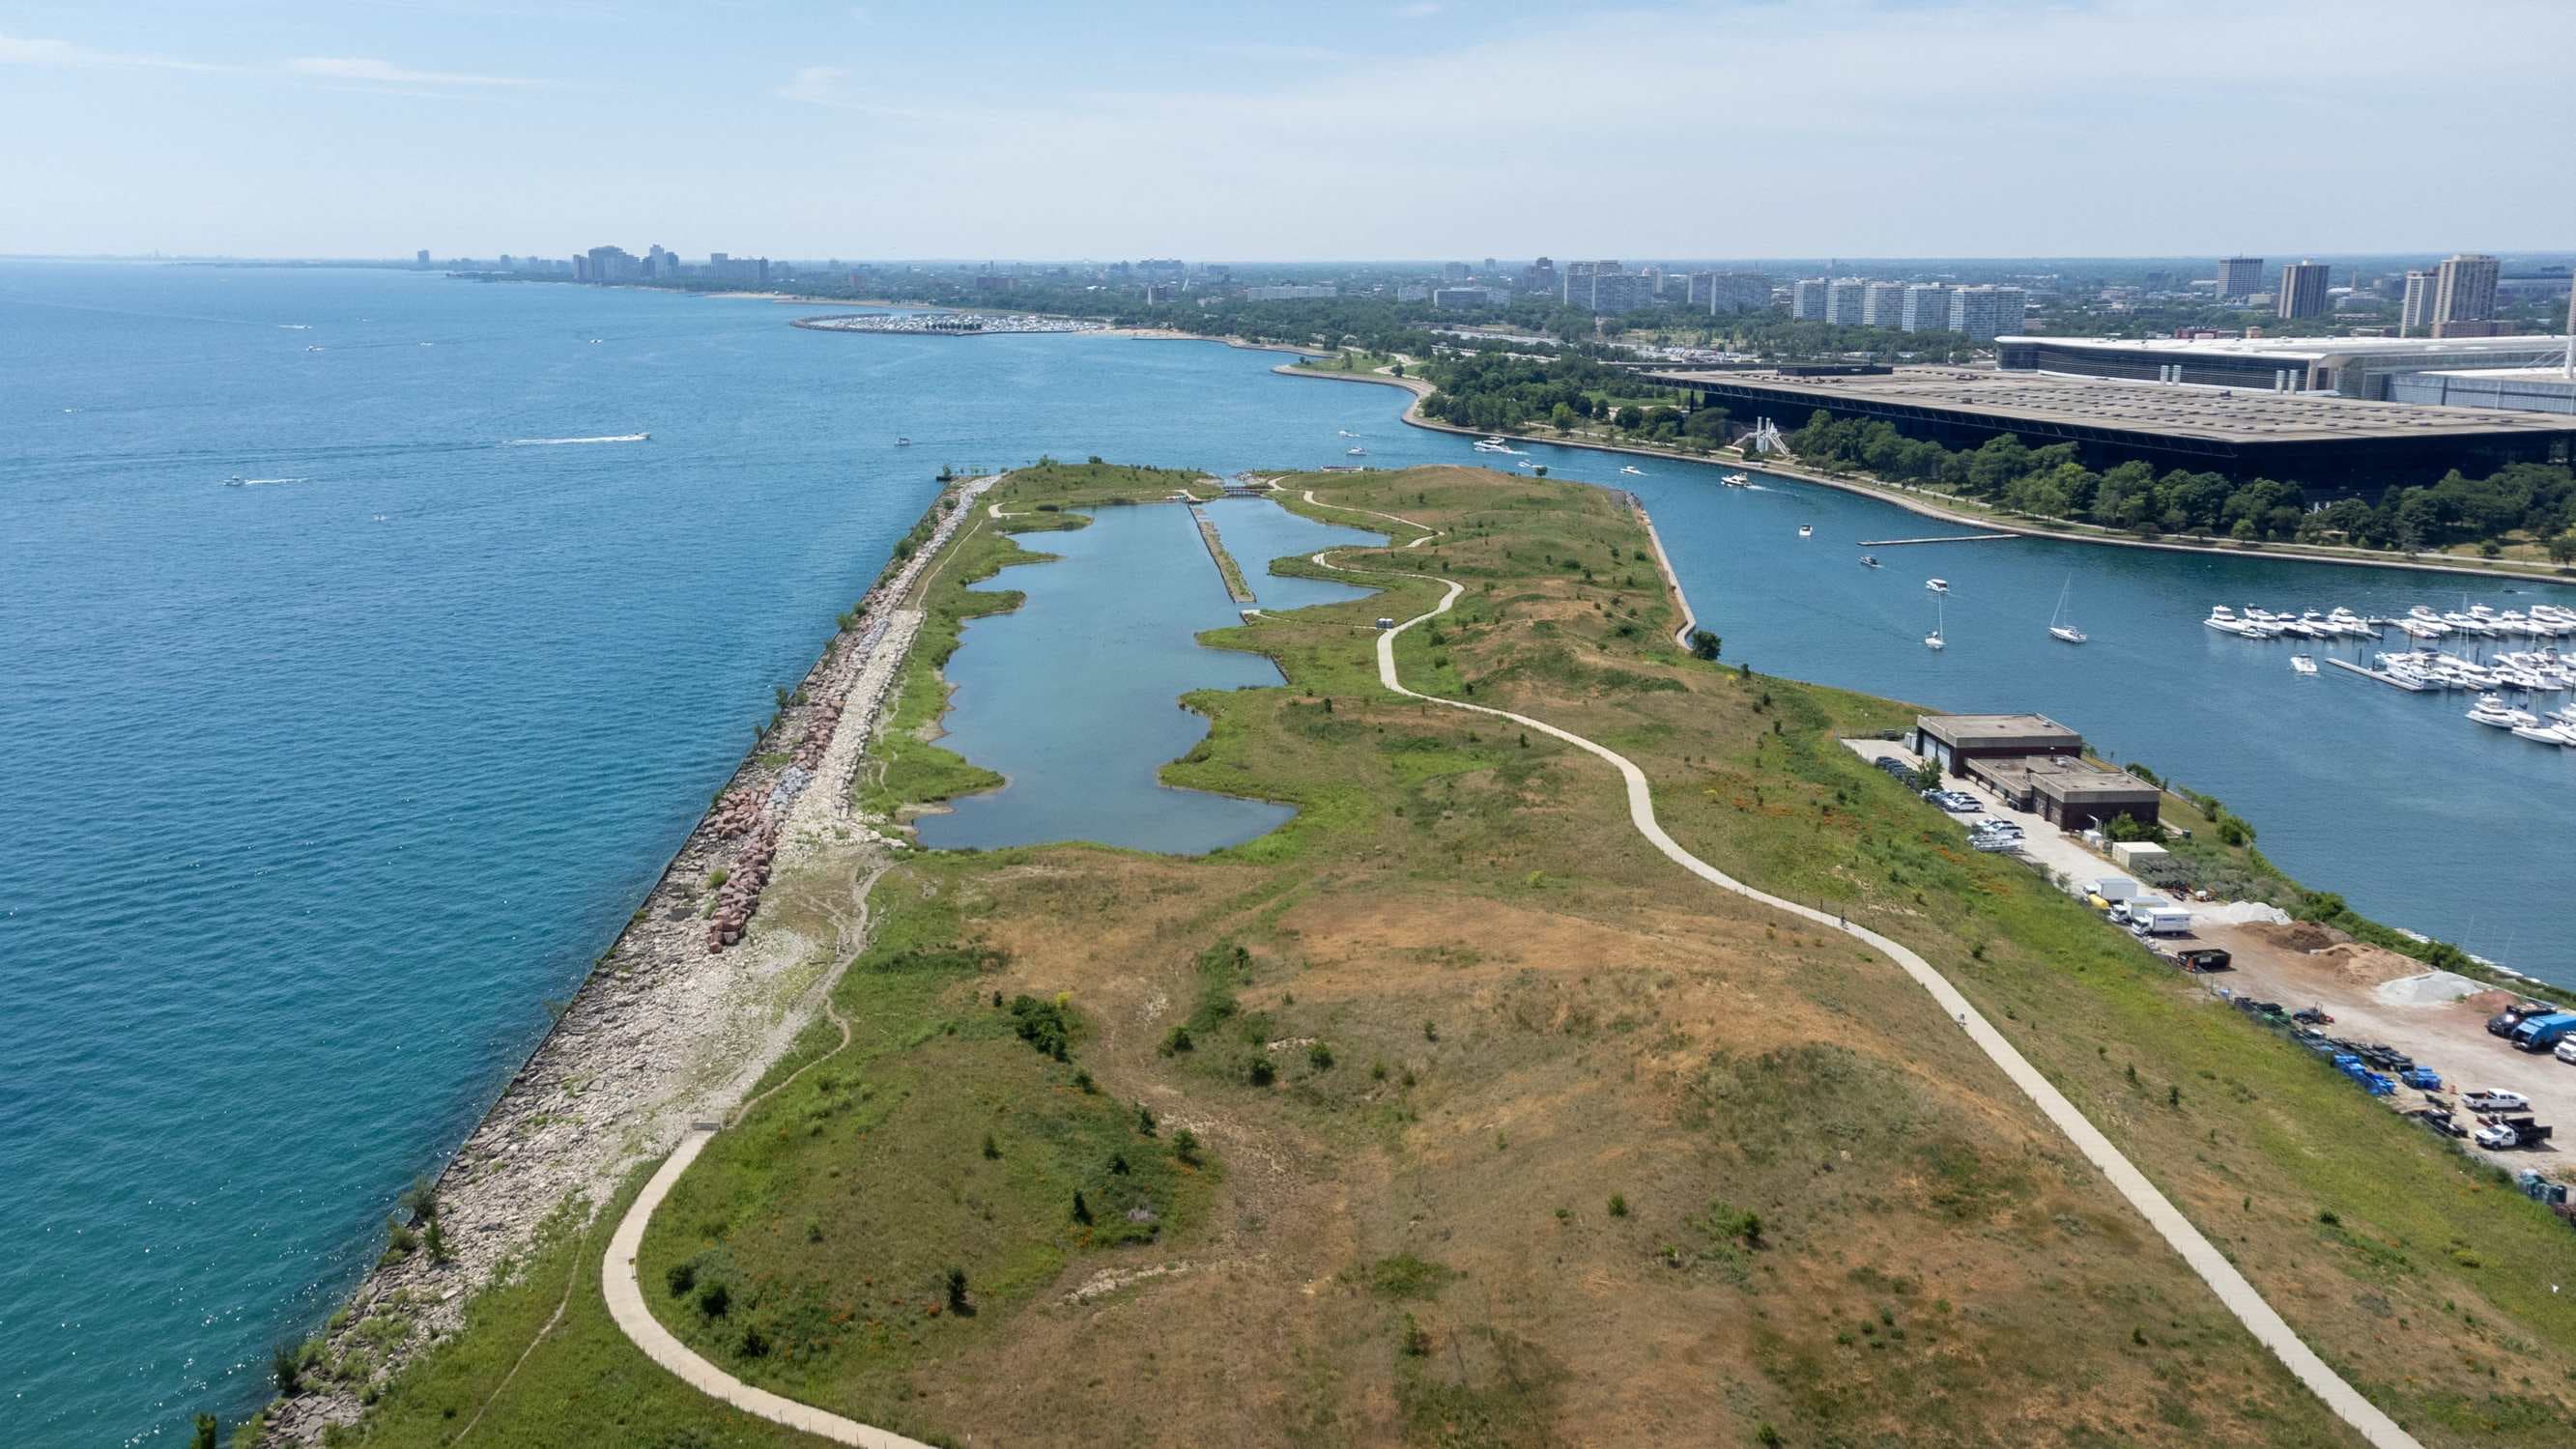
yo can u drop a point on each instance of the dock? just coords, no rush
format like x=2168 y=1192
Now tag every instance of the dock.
x=1235 y=587
x=1953 y=538
x=2409 y=685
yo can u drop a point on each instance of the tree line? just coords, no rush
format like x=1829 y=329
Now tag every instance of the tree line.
x=2530 y=499
x=1498 y=392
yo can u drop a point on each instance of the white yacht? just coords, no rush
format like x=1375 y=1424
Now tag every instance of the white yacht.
x=2303 y=664
x=1736 y=480
x=1806 y=530
x=1938 y=586
x=2492 y=710
x=2544 y=734
x=2060 y=627
x=1633 y=472
x=1356 y=452
x=1481 y=445
x=2224 y=620
x=1347 y=433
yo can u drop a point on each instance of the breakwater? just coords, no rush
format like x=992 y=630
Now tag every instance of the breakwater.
x=671 y=1025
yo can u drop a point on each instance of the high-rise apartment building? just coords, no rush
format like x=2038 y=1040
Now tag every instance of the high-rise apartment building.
x=1617 y=292
x=1575 y=289
x=2415 y=311
x=421 y=257
x=2465 y=288
x=1541 y=277
x=1926 y=309
x=1807 y=299
x=2239 y=277
x=1842 y=300
x=2303 y=290
x=1715 y=292
x=1882 y=304
x=1983 y=312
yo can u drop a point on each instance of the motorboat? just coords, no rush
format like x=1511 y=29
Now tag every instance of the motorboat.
x=1481 y=445
x=2543 y=734
x=237 y=481
x=2302 y=664
x=2492 y=710
x=2224 y=620
x=1347 y=433
x=1806 y=530
x=1525 y=463
x=1938 y=586
x=1736 y=480
x=903 y=442
x=1633 y=472
x=1355 y=452
x=2061 y=627
x=1869 y=560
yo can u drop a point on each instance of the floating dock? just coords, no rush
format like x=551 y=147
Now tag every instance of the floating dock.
x=1953 y=538
x=2409 y=685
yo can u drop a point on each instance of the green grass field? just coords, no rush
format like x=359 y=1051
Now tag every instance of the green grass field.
x=1503 y=1131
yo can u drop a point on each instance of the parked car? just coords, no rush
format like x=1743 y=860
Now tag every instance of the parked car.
x=2493 y=1100
x=2566 y=1051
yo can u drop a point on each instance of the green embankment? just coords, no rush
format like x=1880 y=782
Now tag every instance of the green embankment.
x=1545 y=1121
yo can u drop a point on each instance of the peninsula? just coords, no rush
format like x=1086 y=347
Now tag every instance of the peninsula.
x=1603 y=1054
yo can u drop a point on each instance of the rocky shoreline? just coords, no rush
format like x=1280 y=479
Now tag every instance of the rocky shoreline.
x=676 y=1020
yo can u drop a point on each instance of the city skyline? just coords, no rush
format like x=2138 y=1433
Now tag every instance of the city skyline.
x=305 y=130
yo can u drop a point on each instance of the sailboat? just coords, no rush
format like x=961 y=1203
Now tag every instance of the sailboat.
x=2060 y=626
x=1933 y=639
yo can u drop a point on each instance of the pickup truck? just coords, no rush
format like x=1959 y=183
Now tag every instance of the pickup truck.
x=2495 y=1100
x=2504 y=1136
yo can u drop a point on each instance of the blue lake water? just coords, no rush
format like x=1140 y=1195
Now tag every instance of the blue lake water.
x=1072 y=696
x=319 y=789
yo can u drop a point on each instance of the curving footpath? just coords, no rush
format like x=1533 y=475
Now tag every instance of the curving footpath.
x=2231 y=1286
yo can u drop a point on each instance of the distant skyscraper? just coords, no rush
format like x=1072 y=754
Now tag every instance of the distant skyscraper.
x=420 y=258
x=1843 y=297
x=1882 y=304
x=1541 y=277
x=1927 y=308
x=2415 y=312
x=1983 y=312
x=1455 y=271
x=2303 y=290
x=1807 y=299
x=1575 y=287
x=2239 y=276
x=2465 y=288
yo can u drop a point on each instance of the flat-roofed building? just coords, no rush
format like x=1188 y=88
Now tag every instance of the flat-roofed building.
x=1927 y=308
x=1807 y=299
x=2303 y=290
x=2068 y=791
x=2328 y=446
x=2035 y=764
x=1983 y=313
x=1882 y=304
x=2517 y=389
x=2415 y=309
x=2465 y=289
x=2239 y=277
x=1953 y=741
x=1843 y=297
x=2356 y=367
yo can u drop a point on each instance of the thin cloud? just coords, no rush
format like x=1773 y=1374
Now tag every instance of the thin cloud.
x=63 y=55
x=818 y=85
x=384 y=72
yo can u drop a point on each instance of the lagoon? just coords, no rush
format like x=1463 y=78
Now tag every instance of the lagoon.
x=1073 y=696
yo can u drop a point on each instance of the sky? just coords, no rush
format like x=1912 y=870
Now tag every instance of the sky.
x=1323 y=130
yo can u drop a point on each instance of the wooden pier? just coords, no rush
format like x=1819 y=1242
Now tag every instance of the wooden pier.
x=1953 y=538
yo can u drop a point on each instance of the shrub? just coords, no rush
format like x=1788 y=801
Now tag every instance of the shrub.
x=1618 y=1205
x=681 y=1277
x=754 y=1343
x=1144 y=1120
x=992 y=1149
x=956 y=1289
x=1185 y=1146
x=1416 y=1342
x=1263 y=1073
x=1081 y=1209
x=1320 y=1057
x=1044 y=1025
x=1178 y=1040
x=1082 y=1082
x=286 y=1369
x=714 y=1298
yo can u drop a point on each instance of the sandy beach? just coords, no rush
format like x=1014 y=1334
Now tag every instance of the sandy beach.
x=673 y=1025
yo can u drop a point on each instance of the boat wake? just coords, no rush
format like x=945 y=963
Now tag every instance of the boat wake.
x=263 y=482
x=566 y=442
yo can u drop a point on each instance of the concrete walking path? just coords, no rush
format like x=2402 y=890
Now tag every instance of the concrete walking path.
x=626 y=1305
x=2232 y=1288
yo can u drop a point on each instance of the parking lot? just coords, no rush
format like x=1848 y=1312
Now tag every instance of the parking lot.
x=2436 y=1019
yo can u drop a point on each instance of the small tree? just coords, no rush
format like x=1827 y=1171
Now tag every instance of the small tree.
x=1185 y=1146
x=1081 y=1209
x=957 y=1290
x=1144 y=1120
x=204 y=1435
x=1705 y=645
x=1927 y=775
x=286 y=1369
